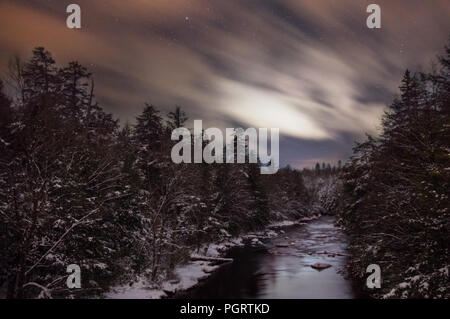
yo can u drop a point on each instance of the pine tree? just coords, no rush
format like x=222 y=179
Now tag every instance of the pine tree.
x=74 y=82
x=177 y=118
x=39 y=75
x=395 y=192
x=317 y=169
x=5 y=111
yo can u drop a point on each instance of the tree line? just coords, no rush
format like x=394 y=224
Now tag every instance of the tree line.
x=77 y=188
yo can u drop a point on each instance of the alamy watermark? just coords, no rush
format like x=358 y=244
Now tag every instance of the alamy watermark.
x=74 y=19
x=374 y=19
x=374 y=279
x=74 y=279
x=239 y=145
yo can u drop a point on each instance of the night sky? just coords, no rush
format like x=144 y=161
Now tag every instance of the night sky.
x=311 y=68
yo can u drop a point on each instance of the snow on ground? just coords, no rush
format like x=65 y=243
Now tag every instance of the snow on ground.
x=283 y=223
x=138 y=290
x=286 y=223
x=189 y=274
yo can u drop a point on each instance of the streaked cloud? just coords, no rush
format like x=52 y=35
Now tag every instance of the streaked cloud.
x=311 y=68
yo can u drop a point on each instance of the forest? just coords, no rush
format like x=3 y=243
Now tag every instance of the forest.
x=76 y=187
x=395 y=196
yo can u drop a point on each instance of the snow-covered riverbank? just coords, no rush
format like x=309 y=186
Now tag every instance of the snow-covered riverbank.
x=190 y=274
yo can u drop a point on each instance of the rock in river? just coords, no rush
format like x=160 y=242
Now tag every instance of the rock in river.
x=320 y=266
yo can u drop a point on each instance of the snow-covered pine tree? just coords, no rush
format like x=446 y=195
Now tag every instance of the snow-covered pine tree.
x=396 y=192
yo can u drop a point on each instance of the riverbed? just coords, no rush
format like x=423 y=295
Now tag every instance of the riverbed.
x=281 y=267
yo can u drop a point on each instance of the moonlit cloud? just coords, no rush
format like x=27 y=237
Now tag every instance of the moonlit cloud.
x=310 y=68
x=258 y=108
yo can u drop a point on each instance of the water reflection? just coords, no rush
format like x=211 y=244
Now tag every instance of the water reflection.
x=285 y=272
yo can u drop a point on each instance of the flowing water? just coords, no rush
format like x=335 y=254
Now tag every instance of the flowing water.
x=285 y=272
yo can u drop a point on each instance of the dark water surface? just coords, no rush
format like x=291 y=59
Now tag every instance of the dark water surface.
x=285 y=272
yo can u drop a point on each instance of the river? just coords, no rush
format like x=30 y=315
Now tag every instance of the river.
x=279 y=272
